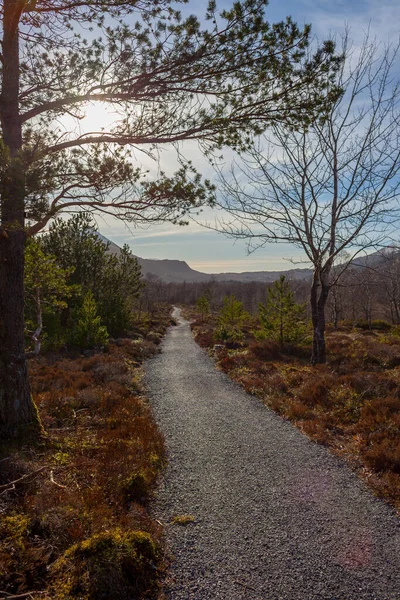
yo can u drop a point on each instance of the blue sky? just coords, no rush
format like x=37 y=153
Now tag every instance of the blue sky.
x=209 y=251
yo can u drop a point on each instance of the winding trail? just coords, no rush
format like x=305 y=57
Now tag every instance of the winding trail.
x=276 y=516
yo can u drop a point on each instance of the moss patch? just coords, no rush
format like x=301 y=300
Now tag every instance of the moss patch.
x=136 y=488
x=115 y=565
x=183 y=520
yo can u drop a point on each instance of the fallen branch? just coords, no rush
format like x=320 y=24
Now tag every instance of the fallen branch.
x=55 y=482
x=7 y=490
x=23 y=479
x=21 y=596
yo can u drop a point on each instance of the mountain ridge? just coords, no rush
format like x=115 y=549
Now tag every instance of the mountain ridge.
x=178 y=271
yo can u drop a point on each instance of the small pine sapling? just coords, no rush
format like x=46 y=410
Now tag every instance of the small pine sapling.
x=231 y=320
x=89 y=332
x=203 y=306
x=281 y=318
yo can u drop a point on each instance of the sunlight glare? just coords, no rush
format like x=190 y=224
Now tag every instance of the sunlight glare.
x=98 y=117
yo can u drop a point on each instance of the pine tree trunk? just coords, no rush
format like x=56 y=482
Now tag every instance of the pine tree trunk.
x=18 y=414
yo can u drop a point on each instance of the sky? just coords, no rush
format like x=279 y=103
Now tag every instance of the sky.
x=211 y=252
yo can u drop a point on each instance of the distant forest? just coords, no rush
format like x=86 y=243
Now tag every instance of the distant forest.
x=361 y=295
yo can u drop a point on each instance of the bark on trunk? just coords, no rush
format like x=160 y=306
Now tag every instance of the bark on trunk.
x=319 y=297
x=18 y=414
x=396 y=311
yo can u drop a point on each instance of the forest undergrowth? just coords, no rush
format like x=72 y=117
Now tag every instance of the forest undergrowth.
x=350 y=404
x=74 y=508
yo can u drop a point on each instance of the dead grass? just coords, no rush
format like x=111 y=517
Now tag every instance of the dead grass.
x=100 y=462
x=351 y=404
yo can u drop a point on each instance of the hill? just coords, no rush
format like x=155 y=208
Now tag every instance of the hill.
x=178 y=271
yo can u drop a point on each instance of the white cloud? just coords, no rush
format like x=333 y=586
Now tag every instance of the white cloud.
x=238 y=266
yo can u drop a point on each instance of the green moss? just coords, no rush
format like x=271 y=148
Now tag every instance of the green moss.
x=62 y=458
x=183 y=520
x=14 y=528
x=136 y=488
x=156 y=461
x=117 y=565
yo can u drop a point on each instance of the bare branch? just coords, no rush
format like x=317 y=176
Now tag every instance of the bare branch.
x=331 y=187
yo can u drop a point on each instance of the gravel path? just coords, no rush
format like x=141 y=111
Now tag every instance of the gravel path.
x=276 y=516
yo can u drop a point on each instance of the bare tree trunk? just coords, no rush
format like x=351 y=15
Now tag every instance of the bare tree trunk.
x=336 y=308
x=396 y=312
x=319 y=296
x=18 y=414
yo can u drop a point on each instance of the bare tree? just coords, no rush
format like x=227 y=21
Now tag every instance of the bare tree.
x=330 y=187
x=389 y=282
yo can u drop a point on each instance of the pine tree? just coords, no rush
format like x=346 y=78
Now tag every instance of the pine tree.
x=231 y=320
x=203 y=306
x=117 y=290
x=89 y=331
x=280 y=317
x=46 y=289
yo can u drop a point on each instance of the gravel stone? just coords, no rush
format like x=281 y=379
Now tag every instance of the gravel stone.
x=276 y=516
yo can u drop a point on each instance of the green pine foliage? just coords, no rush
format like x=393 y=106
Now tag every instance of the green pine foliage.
x=231 y=320
x=203 y=306
x=114 y=280
x=47 y=293
x=77 y=292
x=117 y=291
x=89 y=331
x=75 y=242
x=252 y=72
x=281 y=318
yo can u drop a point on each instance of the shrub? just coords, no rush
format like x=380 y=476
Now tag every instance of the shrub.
x=297 y=411
x=370 y=385
x=378 y=413
x=233 y=361
x=297 y=351
x=117 y=565
x=338 y=344
x=362 y=324
x=265 y=350
x=136 y=488
x=382 y=354
x=376 y=325
x=205 y=337
x=228 y=335
x=384 y=456
x=316 y=389
x=380 y=325
x=155 y=337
